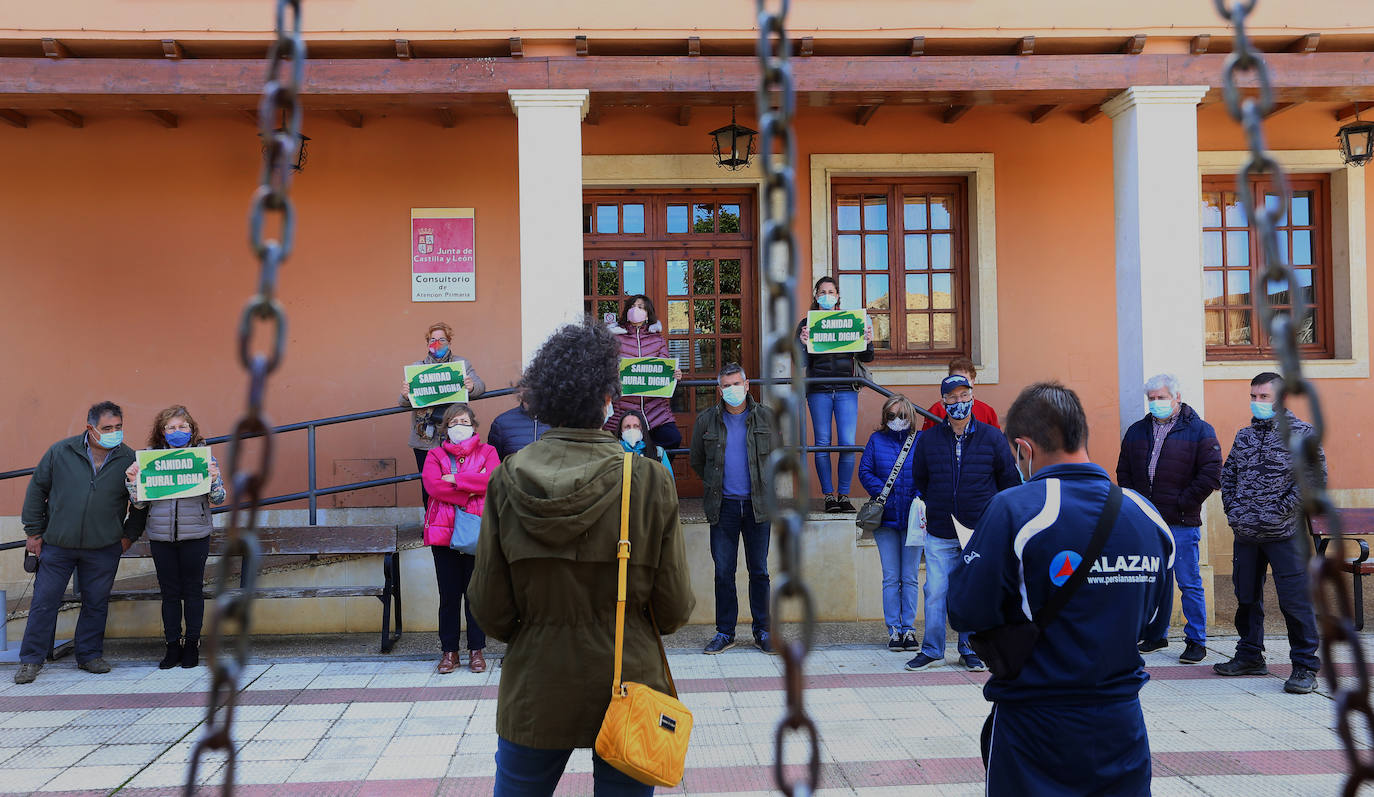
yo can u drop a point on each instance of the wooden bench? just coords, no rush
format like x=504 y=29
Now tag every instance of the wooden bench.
x=1355 y=523
x=311 y=541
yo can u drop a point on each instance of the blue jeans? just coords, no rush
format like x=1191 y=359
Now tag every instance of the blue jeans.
x=941 y=554
x=531 y=772
x=736 y=521
x=843 y=405
x=1188 y=576
x=97 y=567
x=899 y=577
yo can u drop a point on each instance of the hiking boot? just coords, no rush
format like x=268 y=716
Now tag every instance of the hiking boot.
x=1301 y=682
x=765 y=643
x=1152 y=645
x=1239 y=666
x=831 y=505
x=173 y=657
x=894 y=641
x=97 y=666
x=1193 y=652
x=27 y=672
x=972 y=663
x=923 y=662
x=910 y=641
x=719 y=643
x=844 y=505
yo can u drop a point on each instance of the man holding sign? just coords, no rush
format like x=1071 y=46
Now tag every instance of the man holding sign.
x=77 y=517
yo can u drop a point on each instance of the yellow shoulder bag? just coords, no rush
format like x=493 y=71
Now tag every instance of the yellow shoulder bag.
x=645 y=732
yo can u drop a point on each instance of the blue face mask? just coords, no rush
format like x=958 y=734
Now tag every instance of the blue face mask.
x=1163 y=409
x=733 y=395
x=177 y=439
x=109 y=440
x=1264 y=410
x=827 y=301
x=960 y=410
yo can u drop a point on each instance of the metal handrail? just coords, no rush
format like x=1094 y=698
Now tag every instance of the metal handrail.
x=312 y=492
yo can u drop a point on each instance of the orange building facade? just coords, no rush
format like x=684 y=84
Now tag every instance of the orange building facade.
x=1046 y=188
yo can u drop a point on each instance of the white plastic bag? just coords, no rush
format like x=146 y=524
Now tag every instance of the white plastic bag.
x=916 y=524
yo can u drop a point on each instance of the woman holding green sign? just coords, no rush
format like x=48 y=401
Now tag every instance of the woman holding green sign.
x=639 y=334
x=426 y=428
x=839 y=401
x=179 y=539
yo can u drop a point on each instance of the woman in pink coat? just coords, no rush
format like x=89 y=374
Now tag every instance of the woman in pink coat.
x=455 y=475
x=640 y=334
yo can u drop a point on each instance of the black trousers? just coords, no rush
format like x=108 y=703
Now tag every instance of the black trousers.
x=453 y=571
x=1288 y=559
x=420 y=455
x=181 y=578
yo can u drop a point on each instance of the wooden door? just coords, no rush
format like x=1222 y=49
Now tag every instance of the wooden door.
x=691 y=252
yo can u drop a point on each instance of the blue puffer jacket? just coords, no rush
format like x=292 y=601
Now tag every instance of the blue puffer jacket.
x=880 y=454
x=985 y=467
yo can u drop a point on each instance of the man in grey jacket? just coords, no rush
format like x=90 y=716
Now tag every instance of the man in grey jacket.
x=1260 y=496
x=730 y=446
x=77 y=517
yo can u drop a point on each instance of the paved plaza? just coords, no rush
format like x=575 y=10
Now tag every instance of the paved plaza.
x=381 y=726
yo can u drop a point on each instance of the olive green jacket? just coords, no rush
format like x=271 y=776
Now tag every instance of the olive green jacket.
x=71 y=506
x=545 y=582
x=708 y=455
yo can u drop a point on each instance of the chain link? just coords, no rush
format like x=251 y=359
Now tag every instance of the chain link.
x=1332 y=596
x=789 y=490
x=280 y=104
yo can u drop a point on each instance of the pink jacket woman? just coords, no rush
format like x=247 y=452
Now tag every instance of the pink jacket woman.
x=472 y=462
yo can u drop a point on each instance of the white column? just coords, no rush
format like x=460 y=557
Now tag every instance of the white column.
x=1159 y=320
x=550 y=141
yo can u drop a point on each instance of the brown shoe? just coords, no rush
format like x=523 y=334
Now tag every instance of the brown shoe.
x=475 y=661
x=448 y=662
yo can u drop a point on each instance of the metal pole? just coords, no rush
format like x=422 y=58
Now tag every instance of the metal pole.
x=310 y=464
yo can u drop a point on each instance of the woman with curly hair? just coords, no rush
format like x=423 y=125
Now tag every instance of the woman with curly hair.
x=179 y=539
x=546 y=568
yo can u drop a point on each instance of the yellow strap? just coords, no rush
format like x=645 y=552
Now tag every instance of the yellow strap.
x=622 y=554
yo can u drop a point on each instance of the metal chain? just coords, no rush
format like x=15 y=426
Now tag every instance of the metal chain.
x=280 y=104
x=788 y=485
x=1334 y=607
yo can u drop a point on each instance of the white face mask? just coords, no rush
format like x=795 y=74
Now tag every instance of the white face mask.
x=899 y=424
x=632 y=436
x=460 y=433
x=1030 y=463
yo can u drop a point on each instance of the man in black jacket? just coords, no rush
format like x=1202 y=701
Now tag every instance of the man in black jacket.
x=957 y=468
x=1172 y=457
x=77 y=517
x=514 y=429
x=1264 y=508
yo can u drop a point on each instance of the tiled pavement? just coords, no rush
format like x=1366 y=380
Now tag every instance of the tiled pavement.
x=390 y=726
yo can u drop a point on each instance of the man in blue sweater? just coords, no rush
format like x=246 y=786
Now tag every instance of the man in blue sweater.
x=1070 y=721
x=957 y=467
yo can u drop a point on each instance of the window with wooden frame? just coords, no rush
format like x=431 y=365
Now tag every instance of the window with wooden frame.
x=1232 y=272
x=900 y=251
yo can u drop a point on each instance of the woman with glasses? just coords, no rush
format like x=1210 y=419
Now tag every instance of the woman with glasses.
x=426 y=427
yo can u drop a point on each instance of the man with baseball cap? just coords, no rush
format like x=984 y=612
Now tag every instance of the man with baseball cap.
x=957 y=467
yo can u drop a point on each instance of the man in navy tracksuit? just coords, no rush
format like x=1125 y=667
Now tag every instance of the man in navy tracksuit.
x=1070 y=721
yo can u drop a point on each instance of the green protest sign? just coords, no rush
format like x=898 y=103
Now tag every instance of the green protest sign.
x=173 y=473
x=437 y=383
x=836 y=331
x=648 y=377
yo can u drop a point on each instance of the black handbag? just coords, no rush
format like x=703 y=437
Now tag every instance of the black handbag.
x=1007 y=648
x=870 y=515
